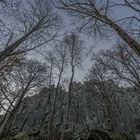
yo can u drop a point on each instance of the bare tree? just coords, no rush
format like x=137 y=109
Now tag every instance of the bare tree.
x=26 y=78
x=76 y=54
x=122 y=63
x=60 y=55
x=6 y=88
x=96 y=18
x=31 y=25
x=99 y=75
x=119 y=65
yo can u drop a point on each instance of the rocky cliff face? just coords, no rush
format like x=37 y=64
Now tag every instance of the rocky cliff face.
x=88 y=110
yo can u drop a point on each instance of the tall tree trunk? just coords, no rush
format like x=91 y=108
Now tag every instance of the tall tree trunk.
x=11 y=48
x=9 y=118
x=52 y=113
x=5 y=118
x=49 y=92
x=123 y=34
x=66 y=122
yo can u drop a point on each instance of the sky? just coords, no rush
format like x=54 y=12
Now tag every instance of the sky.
x=92 y=41
x=98 y=44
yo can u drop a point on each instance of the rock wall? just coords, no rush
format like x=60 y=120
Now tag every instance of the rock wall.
x=88 y=110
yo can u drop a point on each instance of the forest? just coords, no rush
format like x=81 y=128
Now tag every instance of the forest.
x=69 y=70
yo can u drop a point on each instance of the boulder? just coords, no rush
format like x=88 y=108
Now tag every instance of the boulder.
x=101 y=135
x=22 y=136
x=95 y=135
x=122 y=137
x=35 y=131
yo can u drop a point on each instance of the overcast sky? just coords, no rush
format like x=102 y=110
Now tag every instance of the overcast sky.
x=98 y=44
x=92 y=41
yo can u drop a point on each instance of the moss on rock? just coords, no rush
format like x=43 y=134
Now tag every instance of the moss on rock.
x=91 y=135
x=121 y=137
x=22 y=136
